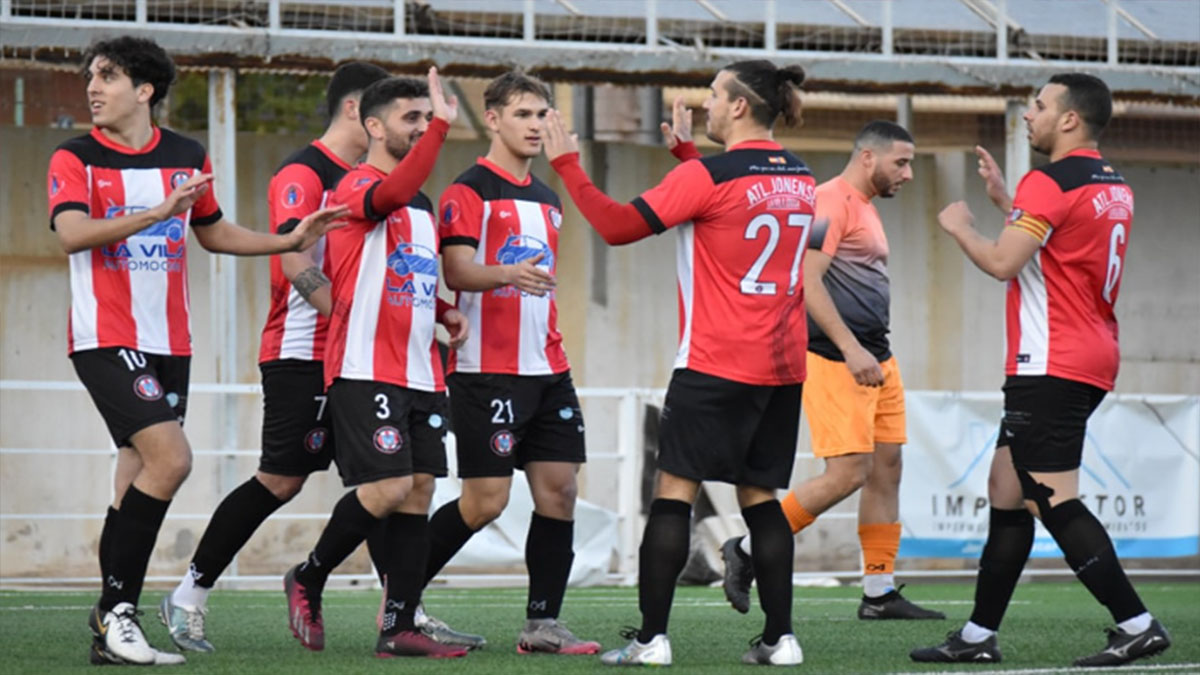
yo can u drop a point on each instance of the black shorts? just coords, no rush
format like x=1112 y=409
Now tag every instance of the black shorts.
x=1045 y=421
x=134 y=390
x=717 y=429
x=297 y=437
x=386 y=431
x=502 y=422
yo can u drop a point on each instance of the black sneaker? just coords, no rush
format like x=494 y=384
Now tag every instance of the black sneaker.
x=1123 y=647
x=739 y=574
x=892 y=605
x=957 y=650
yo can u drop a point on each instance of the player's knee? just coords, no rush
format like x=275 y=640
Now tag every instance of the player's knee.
x=850 y=472
x=284 y=488
x=421 y=493
x=481 y=509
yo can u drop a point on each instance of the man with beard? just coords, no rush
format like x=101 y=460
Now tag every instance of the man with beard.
x=854 y=396
x=383 y=373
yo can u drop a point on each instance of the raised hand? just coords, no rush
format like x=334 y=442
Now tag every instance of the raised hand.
x=993 y=179
x=528 y=277
x=443 y=107
x=558 y=141
x=316 y=224
x=183 y=197
x=680 y=128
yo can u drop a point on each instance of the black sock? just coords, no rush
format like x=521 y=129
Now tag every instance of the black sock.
x=377 y=548
x=105 y=548
x=1009 y=541
x=407 y=538
x=1089 y=551
x=447 y=534
x=549 y=551
x=661 y=557
x=132 y=544
x=773 y=549
x=232 y=524
x=346 y=529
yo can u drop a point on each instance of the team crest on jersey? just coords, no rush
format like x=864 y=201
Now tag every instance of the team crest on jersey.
x=503 y=442
x=314 y=441
x=293 y=195
x=55 y=184
x=450 y=212
x=519 y=247
x=147 y=388
x=388 y=440
x=555 y=217
x=362 y=181
x=179 y=178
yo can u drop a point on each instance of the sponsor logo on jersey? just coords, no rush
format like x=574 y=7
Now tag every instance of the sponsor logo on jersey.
x=520 y=247
x=179 y=178
x=314 y=441
x=411 y=278
x=503 y=443
x=388 y=440
x=1115 y=202
x=147 y=388
x=101 y=183
x=782 y=193
x=135 y=254
x=293 y=195
x=358 y=183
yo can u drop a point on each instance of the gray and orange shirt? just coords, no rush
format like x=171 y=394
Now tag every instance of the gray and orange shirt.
x=849 y=231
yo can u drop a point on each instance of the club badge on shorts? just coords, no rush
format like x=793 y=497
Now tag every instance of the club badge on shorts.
x=314 y=441
x=147 y=388
x=388 y=440
x=503 y=442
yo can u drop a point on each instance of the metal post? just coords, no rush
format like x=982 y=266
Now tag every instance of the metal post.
x=629 y=481
x=887 y=27
x=904 y=112
x=398 y=17
x=529 y=30
x=141 y=13
x=1114 y=55
x=19 y=102
x=5 y=9
x=651 y=107
x=770 y=27
x=274 y=18
x=1002 y=30
x=652 y=24
x=222 y=148
x=1016 y=145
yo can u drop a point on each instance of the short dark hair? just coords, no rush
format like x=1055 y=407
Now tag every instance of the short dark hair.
x=378 y=96
x=1088 y=96
x=771 y=91
x=349 y=79
x=141 y=59
x=501 y=90
x=881 y=132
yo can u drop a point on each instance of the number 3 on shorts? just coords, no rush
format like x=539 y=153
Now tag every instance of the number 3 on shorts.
x=384 y=411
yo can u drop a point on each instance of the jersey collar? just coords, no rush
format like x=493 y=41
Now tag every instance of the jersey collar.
x=495 y=168
x=330 y=154
x=757 y=145
x=1083 y=152
x=125 y=149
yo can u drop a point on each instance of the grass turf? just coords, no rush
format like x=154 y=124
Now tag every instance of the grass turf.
x=1048 y=625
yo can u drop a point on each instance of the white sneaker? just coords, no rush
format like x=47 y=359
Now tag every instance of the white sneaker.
x=123 y=636
x=786 y=652
x=656 y=652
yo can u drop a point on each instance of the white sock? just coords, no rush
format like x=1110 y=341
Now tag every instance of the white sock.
x=188 y=595
x=876 y=585
x=745 y=545
x=974 y=633
x=1138 y=624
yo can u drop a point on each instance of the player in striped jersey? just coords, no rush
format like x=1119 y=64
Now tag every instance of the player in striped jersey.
x=513 y=400
x=122 y=200
x=1061 y=252
x=296 y=438
x=383 y=372
x=733 y=405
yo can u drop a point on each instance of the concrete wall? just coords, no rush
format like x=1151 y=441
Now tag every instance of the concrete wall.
x=947 y=331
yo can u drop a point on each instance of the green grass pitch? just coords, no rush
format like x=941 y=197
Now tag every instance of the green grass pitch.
x=1048 y=625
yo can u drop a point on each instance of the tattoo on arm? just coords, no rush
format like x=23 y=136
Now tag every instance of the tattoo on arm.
x=309 y=281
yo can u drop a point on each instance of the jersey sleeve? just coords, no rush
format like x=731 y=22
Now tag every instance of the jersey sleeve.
x=461 y=220
x=206 y=211
x=682 y=195
x=1038 y=207
x=354 y=190
x=295 y=191
x=829 y=223
x=66 y=184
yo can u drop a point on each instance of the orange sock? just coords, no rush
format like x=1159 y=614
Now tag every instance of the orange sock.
x=798 y=517
x=880 y=544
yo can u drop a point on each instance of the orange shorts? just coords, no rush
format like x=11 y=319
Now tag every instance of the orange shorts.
x=847 y=418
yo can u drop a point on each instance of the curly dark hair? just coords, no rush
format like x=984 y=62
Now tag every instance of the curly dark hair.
x=143 y=60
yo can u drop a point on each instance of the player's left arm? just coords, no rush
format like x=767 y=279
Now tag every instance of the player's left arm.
x=225 y=236
x=1002 y=257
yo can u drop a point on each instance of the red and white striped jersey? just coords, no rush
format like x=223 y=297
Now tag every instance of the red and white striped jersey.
x=385 y=280
x=294 y=328
x=132 y=293
x=506 y=221
x=1059 y=314
x=744 y=218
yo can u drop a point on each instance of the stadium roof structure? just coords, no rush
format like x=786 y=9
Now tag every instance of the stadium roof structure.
x=1144 y=49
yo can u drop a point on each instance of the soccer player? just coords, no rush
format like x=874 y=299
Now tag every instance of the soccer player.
x=295 y=433
x=383 y=372
x=1061 y=252
x=854 y=397
x=513 y=402
x=732 y=410
x=122 y=199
